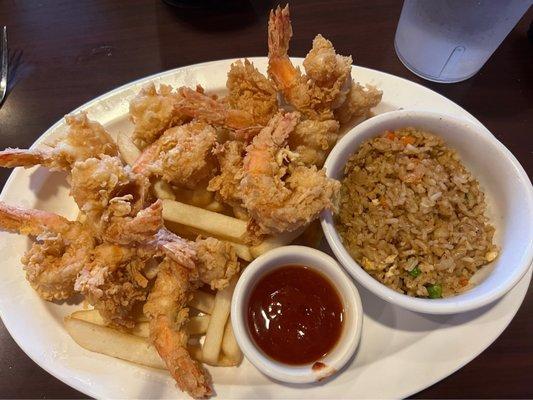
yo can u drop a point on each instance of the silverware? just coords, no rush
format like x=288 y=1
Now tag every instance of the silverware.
x=3 y=65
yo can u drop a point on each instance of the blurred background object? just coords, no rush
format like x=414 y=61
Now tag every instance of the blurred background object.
x=449 y=40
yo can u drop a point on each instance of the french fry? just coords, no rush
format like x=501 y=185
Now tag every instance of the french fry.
x=163 y=190
x=230 y=347
x=198 y=325
x=135 y=349
x=242 y=251
x=215 y=206
x=240 y=213
x=217 y=323
x=219 y=225
x=199 y=197
x=93 y=316
x=272 y=242
x=127 y=149
x=196 y=352
x=184 y=231
x=202 y=301
x=112 y=342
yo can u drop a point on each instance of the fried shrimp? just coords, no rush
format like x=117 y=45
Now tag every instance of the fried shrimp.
x=113 y=282
x=167 y=313
x=327 y=85
x=251 y=91
x=359 y=103
x=316 y=95
x=279 y=194
x=313 y=140
x=226 y=183
x=203 y=108
x=288 y=79
x=217 y=262
x=314 y=99
x=63 y=247
x=153 y=112
x=329 y=71
x=111 y=196
x=84 y=139
x=134 y=229
x=181 y=156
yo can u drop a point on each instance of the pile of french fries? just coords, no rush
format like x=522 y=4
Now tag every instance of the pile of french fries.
x=211 y=326
x=188 y=213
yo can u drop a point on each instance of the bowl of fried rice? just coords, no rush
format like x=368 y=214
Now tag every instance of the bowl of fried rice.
x=434 y=213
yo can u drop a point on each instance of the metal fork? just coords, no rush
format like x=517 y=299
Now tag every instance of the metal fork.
x=3 y=65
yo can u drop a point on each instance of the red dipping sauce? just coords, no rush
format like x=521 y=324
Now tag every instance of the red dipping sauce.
x=295 y=315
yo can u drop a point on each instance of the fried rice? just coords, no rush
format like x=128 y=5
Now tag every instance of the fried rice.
x=413 y=216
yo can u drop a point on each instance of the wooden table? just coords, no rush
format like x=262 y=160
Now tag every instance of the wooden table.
x=64 y=53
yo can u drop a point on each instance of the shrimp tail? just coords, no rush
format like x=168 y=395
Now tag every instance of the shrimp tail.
x=30 y=222
x=204 y=108
x=279 y=32
x=280 y=68
x=11 y=158
x=198 y=105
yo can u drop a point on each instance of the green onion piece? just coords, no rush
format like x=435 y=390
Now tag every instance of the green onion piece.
x=415 y=272
x=434 y=291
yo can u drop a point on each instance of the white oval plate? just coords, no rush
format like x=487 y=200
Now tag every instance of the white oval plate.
x=400 y=353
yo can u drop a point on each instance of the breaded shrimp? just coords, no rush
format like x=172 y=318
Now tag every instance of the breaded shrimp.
x=329 y=71
x=226 y=183
x=203 y=108
x=167 y=313
x=113 y=282
x=134 y=229
x=288 y=79
x=359 y=103
x=111 y=196
x=279 y=194
x=181 y=156
x=251 y=91
x=326 y=87
x=307 y=96
x=84 y=139
x=153 y=112
x=63 y=247
x=313 y=140
x=217 y=262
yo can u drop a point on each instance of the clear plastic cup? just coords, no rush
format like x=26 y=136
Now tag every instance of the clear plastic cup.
x=450 y=40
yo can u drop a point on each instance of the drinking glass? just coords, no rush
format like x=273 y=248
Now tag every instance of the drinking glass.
x=450 y=40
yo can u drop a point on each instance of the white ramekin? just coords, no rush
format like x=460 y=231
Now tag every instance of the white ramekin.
x=509 y=197
x=353 y=314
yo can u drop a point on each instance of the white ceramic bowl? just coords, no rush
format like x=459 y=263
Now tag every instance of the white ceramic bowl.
x=353 y=314
x=509 y=196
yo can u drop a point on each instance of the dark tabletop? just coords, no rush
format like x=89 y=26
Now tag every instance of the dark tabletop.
x=64 y=53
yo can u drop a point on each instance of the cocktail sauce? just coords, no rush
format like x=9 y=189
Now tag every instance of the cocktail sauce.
x=295 y=315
